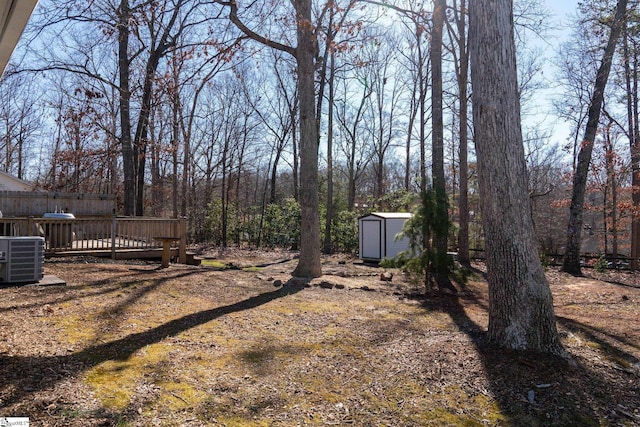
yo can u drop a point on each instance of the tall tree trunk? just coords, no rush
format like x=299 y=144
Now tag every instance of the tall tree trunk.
x=571 y=262
x=239 y=177
x=174 y=181
x=223 y=192
x=614 y=218
x=274 y=172
x=379 y=169
x=407 y=153
x=186 y=171
x=611 y=217
x=631 y=86
x=422 y=131
x=175 y=132
x=157 y=187
x=296 y=157
x=141 y=138
x=328 y=221
x=462 y=76
x=351 y=182
x=521 y=313
x=305 y=53
x=20 y=147
x=309 y=262
x=354 y=166
x=439 y=270
x=128 y=167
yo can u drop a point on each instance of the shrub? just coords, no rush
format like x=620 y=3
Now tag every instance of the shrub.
x=601 y=264
x=281 y=225
x=345 y=231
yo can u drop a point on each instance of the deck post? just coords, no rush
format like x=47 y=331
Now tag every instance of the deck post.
x=113 y=237
x=182 y=244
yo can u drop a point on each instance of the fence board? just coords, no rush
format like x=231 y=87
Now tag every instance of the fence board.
x=26 y=203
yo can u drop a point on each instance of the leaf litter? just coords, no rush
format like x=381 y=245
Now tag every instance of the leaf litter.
x=129 y=344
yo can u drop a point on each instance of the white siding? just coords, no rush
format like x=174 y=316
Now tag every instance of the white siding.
x=393 y=246
x=11 y=183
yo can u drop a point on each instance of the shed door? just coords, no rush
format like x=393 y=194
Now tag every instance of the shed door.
x=371 y=244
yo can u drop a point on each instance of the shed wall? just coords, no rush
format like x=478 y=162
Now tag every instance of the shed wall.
x=393 y=247
x=377 y=237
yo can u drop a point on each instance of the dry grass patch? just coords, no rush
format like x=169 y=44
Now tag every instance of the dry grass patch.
x=131 y=345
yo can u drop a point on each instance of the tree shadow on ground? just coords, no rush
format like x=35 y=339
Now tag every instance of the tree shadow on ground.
x=613 y=281
x=536 y=389
x=22 y=376
x=609 y=343
x=100 y=287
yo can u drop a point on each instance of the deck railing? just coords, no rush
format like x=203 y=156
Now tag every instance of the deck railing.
x=76 y=235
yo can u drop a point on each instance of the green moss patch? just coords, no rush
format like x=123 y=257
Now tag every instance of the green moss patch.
x=217 y=346
x=214 y=263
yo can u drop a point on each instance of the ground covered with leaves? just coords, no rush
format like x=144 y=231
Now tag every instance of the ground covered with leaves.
x=238 y=342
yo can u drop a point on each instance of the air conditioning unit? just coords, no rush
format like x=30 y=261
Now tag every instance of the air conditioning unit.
x=21 y=259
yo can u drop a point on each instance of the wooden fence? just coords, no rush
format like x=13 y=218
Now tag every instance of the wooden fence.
x=587 y=260
x=36 y=203
x=101 y=235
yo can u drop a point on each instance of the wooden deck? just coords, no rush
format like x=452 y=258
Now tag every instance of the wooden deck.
x=117 y=237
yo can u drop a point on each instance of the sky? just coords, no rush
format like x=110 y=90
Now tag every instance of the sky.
x=561 y=10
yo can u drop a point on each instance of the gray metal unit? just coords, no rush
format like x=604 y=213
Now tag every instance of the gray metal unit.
x=21 y=259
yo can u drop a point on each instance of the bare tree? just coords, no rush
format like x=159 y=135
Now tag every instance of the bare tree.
x=19 y=121
x=520 y=303
x=416 y=62
x=460 y=51
x=547 y=172
x=328 y=221
x=382 y=109
x=350 y=118
x=440 y=269
x=571 y=262
x=336 y=21
x=274 y=102
x=305 y=54
x=630 y=50
x=122 y=44
x=126 y=143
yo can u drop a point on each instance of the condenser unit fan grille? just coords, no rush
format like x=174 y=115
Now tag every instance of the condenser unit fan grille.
x=24 y=258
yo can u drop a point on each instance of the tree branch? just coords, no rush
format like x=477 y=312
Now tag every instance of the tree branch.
x=233 y=16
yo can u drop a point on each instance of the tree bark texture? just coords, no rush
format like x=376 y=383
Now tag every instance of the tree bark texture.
x=305 y=53
x=571 y=262
x=631 y=86
x=423 y=122
x=328 y=224
x=521 y=313
x=309 y=262
x=125 y=109
x=441 y=228
x=462 y=75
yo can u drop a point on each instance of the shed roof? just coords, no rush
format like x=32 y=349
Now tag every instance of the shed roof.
x=11 y=183
x=390 y=215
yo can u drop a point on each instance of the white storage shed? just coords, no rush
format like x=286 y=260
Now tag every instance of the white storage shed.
x=378 y=232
